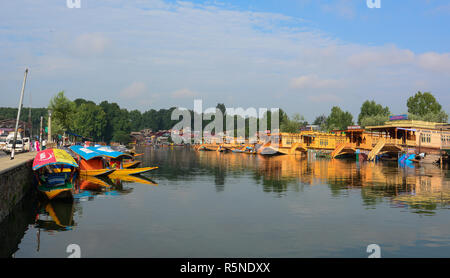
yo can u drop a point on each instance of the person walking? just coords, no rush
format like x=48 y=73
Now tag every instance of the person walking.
x=36 y=146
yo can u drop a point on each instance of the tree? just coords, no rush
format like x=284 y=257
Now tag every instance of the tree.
x=293 y=125
x=374 y=120
x=121 y=137
x=90 y=121
x=321 y=121
x=63 y=111
x=370 y=109
x=135 y=118
x=424 y=106
x=338 y=119
x=440 y=117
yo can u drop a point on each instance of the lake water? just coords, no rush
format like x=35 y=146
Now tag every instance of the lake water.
x=209 y=204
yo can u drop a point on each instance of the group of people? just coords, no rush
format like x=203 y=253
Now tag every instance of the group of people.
x=36 y=146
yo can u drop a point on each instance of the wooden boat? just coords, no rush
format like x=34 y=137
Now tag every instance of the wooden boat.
x=91 y=163
x=135 y=179
x=121 y=172
x=131 y=164
x=96 y=172
x=50 y=168
x=104 y=161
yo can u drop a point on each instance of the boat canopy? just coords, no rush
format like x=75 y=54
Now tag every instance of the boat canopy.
x=53 y=157
x=85 y=153
x=108 y=152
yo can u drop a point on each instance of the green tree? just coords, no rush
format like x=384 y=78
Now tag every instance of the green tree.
x=425 y=107
x=63 y=111
x=439 y=117
x=293 y=125
x=423 y=103
x=135 y=119
x=90 y=121
x=321 y=121
x=370 y=109
x=374 y=120
x=338 y=119
x=121 y=137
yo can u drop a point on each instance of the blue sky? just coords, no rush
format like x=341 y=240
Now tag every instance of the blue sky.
x=304 y=56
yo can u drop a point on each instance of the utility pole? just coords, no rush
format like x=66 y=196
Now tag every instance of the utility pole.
x=40 y=132
x=29 y=122
x=18 y=114
x=50 y=126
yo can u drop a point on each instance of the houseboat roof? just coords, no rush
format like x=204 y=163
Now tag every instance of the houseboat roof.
x=410 y=124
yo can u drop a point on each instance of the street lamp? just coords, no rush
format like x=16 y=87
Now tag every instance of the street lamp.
x=50 y=125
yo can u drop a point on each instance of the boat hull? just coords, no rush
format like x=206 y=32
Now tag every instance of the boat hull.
x=63 y=192
x=131 y=165
x=96 y=172
x=121 y=172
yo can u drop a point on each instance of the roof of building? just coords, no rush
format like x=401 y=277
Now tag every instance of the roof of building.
x=407 y=124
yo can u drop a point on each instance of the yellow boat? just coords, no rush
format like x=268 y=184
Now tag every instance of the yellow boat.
x=121 y=172
x=137 y=179
x=53 y=180
x=131 y=164
x=96 y=172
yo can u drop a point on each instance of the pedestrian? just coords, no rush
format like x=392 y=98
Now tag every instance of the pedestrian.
x=36 y=146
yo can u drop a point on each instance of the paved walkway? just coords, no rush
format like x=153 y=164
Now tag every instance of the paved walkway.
x=6 y=163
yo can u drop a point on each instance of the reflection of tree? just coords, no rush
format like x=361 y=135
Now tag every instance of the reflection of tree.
x=377 y=182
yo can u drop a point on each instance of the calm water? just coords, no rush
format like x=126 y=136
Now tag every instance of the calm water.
x=208 y=204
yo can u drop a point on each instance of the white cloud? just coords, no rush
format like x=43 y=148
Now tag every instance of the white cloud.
x=90 y=44
x=324 y=98
x=184 y=93
x=381 y=56
x=314 y=82
x=241 y=58
x=136 y=89
x=435 y=61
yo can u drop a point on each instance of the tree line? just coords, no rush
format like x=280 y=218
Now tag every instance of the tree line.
x=108 y=122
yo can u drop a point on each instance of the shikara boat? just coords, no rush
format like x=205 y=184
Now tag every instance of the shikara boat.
x=91 y=162
x=104 y=161
x=51 y=170
x=115 y=161
x=134 y=179
x=131 y=164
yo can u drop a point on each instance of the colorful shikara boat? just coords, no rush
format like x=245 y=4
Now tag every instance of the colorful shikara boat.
x=131 y=164
x=134 y=179
x=115 y=161
x=50 y=167
x=104 y=161
x=91 y=162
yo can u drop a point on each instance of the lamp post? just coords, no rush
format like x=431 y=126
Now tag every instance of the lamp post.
x=18 y=115
x=50 y=126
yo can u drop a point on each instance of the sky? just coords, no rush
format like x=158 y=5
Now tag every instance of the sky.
x=304 y=56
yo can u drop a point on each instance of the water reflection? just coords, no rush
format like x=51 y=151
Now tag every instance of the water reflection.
x=422 y=188
x=55 y=216
x=248 y=206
